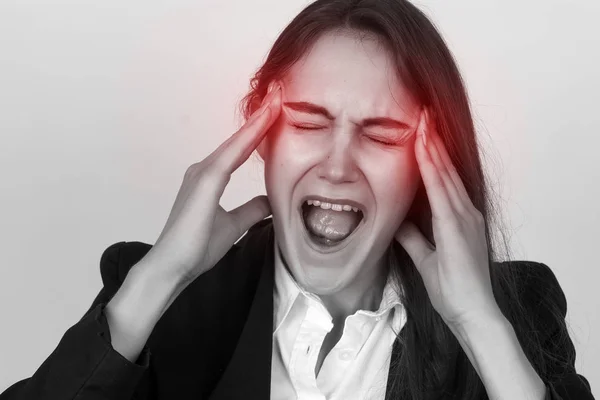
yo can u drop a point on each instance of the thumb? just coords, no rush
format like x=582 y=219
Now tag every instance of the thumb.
x=414 y=242
x=251 y=212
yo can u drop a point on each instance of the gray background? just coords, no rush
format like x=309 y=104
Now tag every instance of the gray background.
x=103 y=106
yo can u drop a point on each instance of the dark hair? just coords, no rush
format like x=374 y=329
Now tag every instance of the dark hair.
x=432 y=364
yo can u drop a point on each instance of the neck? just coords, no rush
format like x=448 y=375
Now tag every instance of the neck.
x=365 y=294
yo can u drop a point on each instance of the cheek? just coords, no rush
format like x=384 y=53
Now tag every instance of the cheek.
x=394 y=180
x=288 y=160
x=292 y=151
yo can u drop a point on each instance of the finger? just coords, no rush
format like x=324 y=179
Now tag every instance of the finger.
x=437 y=195
x=236 y=150
x=453 y=172
x=455 y=197
x=414 y=242
x=264 y=105
x=250 y=213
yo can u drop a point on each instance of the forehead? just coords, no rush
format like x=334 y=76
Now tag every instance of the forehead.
x=349 y=75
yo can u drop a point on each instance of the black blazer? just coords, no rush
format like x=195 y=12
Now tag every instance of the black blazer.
x=215 y=340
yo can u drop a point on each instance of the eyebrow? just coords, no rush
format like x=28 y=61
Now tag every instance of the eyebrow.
x=311 y=108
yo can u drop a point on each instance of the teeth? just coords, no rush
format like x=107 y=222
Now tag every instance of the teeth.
x=335 y=207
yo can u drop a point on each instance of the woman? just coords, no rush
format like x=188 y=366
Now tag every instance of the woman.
x=375 y=278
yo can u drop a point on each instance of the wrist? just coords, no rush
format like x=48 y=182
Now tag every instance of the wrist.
x=481 y=326
x=135 y=309
x=485 y=317
x=145 y=294
x=491 y=344
x=148 y=274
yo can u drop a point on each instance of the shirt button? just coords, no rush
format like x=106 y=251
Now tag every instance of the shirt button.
x=345 y=355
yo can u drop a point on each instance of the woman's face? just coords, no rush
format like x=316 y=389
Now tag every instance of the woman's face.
x=346 y=133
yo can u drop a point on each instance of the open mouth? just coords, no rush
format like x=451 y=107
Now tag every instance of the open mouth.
x=329 y=226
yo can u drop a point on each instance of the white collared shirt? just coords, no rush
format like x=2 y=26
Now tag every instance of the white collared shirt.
x=356 y=368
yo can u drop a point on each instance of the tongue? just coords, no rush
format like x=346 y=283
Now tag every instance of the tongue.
x=333 y=225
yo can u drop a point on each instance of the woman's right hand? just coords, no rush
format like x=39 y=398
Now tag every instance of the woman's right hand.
x=199 y=232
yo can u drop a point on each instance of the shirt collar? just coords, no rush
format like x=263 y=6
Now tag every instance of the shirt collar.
x=287 y=291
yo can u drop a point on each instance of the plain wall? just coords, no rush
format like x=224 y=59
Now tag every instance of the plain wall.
x=103 y=106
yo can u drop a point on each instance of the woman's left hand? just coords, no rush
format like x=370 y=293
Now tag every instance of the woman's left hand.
x=456 y=270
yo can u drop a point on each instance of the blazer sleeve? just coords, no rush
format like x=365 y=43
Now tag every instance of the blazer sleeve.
x=548 y=301
x=84 y=365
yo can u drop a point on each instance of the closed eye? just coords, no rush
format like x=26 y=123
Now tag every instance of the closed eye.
x=307 y=127
x=371 y=138
x=386 y=143
x=318 y=127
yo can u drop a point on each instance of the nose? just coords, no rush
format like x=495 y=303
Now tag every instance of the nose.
x=339 y=165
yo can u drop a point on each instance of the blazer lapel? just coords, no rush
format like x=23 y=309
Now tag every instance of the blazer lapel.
x=248 y=374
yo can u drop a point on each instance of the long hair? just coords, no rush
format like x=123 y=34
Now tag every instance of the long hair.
x=431 y=364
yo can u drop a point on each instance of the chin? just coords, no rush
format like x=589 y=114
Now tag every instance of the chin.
x=321 y=281
x=322 y=269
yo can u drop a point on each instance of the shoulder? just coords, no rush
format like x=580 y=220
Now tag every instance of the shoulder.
x=245 y=257
x=539 y=321
x=535 y=284
x=533 y=301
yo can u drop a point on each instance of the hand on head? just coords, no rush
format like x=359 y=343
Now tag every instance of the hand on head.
x=199 y=232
